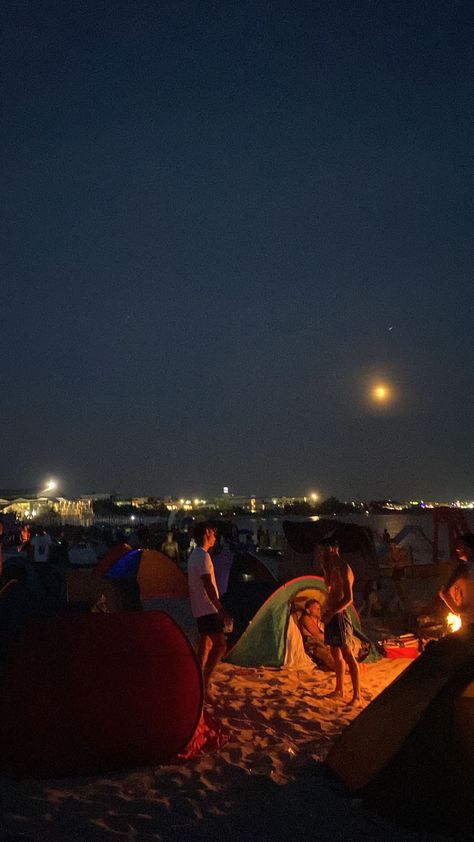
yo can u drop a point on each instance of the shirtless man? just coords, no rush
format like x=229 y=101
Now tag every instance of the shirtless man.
x=458 y=592
x=339 y=580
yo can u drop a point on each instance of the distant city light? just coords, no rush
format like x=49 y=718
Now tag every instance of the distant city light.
x=226 y=489
x=314 y=496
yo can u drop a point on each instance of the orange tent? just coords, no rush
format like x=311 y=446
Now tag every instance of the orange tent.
x=156 y=574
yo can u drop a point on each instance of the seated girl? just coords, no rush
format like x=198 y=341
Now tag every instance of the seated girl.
x=312 y=630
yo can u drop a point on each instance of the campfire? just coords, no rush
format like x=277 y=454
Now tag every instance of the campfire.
x=435 y=626
x=453 y=622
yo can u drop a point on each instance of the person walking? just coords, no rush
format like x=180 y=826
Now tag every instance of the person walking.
x=211 y=617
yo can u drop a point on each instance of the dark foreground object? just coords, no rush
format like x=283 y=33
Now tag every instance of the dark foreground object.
x=409 y=753
x=95 y=693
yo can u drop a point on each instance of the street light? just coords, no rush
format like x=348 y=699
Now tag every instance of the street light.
x=51 y=485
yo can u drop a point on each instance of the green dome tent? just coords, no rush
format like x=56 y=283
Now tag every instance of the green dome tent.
x=264 y=641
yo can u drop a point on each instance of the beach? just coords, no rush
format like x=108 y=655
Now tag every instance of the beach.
x=268 y=782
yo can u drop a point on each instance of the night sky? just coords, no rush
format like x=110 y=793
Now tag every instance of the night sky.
x=222 y=223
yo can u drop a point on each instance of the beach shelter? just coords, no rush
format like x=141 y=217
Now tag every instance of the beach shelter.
x=112 y=555
x=93 y=693
x=411 y=539
x=411 y=751
x=244 y=583
x=264 y=642
x=235 y=568
x=356 y=545
x=156 y=574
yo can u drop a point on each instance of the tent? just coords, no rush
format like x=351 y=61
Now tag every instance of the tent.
x=409 y=752
x=244 y=583
x=412 y=539
x=232 y=569
x=356 y=545
x=264 y=642
x=156 y=574
x=92 y=693
x=82 y=554
x=112 y=555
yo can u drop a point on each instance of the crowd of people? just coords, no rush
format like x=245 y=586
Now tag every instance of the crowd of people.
x=326 y=627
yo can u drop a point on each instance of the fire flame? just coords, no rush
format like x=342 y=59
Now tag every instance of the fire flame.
x=454 y=622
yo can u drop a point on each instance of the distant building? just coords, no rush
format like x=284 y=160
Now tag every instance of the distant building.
x=49 y=510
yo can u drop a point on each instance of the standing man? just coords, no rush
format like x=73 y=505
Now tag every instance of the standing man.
x=207 y=609
x=338 y=628
x=398 y=560
x=458 y=592
x=170 y=547
x=40 y=546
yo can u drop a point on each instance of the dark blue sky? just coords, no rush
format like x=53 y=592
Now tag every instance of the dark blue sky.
x=212 y=215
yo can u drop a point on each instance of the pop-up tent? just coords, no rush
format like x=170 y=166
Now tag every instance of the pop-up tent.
x=265 y=641
x=156 y=574
x=244 y=583
x=97 y=692
x=237 y=568
x=112 y=555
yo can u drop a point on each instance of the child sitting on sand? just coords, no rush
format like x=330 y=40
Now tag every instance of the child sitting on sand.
x=312 y=631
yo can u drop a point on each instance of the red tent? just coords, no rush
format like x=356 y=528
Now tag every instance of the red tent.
x=98 y=692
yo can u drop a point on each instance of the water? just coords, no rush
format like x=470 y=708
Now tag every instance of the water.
x=393 y=522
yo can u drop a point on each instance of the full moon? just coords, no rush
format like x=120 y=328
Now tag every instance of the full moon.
x=381 y=393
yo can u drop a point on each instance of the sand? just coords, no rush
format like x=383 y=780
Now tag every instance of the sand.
x=267 y=783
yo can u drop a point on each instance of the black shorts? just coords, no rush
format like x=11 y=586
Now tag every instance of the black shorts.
x=210 y=624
